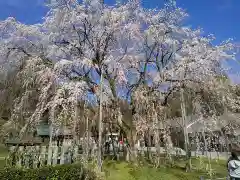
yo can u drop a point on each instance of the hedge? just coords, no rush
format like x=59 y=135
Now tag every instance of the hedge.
x=59 y=172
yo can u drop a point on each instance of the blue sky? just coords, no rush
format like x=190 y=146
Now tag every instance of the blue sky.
x=219 y=17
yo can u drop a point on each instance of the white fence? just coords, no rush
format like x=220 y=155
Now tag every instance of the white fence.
x=212 y=155
x=37 y=156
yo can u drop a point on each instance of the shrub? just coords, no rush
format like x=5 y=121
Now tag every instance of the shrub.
x=59 y=172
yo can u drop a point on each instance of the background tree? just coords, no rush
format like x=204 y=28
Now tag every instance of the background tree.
x=146 y=58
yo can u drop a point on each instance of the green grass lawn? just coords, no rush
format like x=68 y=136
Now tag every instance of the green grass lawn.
x=125 y=171
x=3 y=155
x=3 y=150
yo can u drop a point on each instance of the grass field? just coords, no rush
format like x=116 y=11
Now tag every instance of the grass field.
x=125 y=171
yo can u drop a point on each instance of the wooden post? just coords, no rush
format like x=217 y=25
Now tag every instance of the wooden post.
x=42 y=157
x=184 y=124
x=75 y=153
x=69 y=149
x=100 y=125
x=50 y=151
x=75 y=122
x=49 y=158
x=11 y=155
x=55 y=153
x=52 y=114
x=87 y=148
x=62 y=158
x=36 y=157
x=184 y=115
x=32 y=156
x=64 y=149
x=20 y=156
x=157 y=135
x=27 y=157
